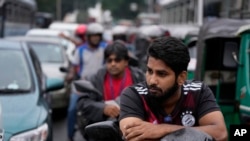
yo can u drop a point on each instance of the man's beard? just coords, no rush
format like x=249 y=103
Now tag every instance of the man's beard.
x=160 y=99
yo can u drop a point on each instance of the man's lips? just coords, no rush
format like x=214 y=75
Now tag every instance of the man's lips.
x=154 y=90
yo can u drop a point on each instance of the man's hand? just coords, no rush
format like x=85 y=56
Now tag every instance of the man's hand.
x=62 y=35
x=111 y=111
x=69 y=78
x=138 y=131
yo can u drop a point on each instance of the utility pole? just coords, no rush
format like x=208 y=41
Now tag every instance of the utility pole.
x=200 y=12
x=59 y=9
x=150 y=6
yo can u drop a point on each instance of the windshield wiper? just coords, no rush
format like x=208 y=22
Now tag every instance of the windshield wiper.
x=6 y=90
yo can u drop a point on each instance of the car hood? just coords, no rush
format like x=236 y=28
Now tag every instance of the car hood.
x=52 y=70
x=20 y=112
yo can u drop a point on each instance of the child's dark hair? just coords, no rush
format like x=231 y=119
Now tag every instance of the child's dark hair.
x=172 y=52
x=117 y=48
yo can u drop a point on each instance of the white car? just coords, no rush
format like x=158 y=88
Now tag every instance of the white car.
x=68 y=45
x=70 y=27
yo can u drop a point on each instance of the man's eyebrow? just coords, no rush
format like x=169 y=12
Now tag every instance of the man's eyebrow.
x=158 y=71
x=161 y=71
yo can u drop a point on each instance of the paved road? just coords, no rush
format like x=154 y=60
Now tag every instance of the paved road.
x=60 y=127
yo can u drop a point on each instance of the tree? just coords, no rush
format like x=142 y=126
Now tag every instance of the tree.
x=121 y=8
x=50 y=6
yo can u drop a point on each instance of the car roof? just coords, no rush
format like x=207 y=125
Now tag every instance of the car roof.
x=9 y=44
x=35 y=39
x=64 y=26
x=46 y=32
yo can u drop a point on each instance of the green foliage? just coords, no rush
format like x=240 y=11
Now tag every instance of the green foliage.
x=121 y=8
x=46 y=6
x=50 y=6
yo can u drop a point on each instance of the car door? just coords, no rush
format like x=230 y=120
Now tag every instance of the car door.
x=44 y=97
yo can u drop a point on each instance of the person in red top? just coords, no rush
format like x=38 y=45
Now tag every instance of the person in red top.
x=110 y=81
x=114 y=85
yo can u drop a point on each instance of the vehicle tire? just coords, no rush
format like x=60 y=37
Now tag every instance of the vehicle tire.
x=50 y=136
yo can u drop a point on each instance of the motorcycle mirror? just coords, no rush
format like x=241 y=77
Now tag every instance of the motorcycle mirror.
x=104 y=131
x=85 y=86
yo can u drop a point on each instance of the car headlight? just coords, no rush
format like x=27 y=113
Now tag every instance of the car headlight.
x=39 y=134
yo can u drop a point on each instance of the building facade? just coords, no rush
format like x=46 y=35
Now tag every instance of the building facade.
x=195 y=11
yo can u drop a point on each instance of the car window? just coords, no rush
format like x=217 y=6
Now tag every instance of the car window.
x=48 y=53
x=15 y=72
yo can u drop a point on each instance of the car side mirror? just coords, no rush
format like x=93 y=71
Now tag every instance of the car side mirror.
x=54 y=84
x=63 y=69
x=230 y=58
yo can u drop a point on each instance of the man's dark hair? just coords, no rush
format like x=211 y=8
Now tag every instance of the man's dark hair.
x=172 y=52
x=117 y=48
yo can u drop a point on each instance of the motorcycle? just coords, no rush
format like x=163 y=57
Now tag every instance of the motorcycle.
x=85 y=86
x=109 y=130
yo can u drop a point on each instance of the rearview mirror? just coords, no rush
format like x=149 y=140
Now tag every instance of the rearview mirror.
x=229 y=49
x=54 y=84
x=85 y=86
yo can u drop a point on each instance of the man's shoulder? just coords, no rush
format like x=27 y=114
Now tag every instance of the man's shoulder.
x=139 y=88
x=99 y=74
x=192 y=86
x=135 y=91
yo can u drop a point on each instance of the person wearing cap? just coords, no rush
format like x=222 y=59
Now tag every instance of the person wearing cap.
x=88 y=58
x=116 y=75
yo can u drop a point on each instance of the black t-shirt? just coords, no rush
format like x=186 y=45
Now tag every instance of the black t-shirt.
x=196 y=101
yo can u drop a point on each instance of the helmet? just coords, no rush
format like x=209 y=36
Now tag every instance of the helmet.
x=153 y=31
x=95 y=28
x=120 y=33
x=120 y=29
x=81 y=29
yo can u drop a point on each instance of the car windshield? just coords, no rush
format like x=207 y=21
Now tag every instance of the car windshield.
x=15 y=75
x=47 y=52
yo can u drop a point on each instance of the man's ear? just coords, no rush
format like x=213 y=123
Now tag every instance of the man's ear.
x=182 y=78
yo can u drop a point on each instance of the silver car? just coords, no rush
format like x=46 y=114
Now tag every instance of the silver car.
x=51 y=33
x=53 y=58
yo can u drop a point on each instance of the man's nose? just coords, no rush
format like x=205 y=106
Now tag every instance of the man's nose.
x=153 y=79
x=113 y=63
